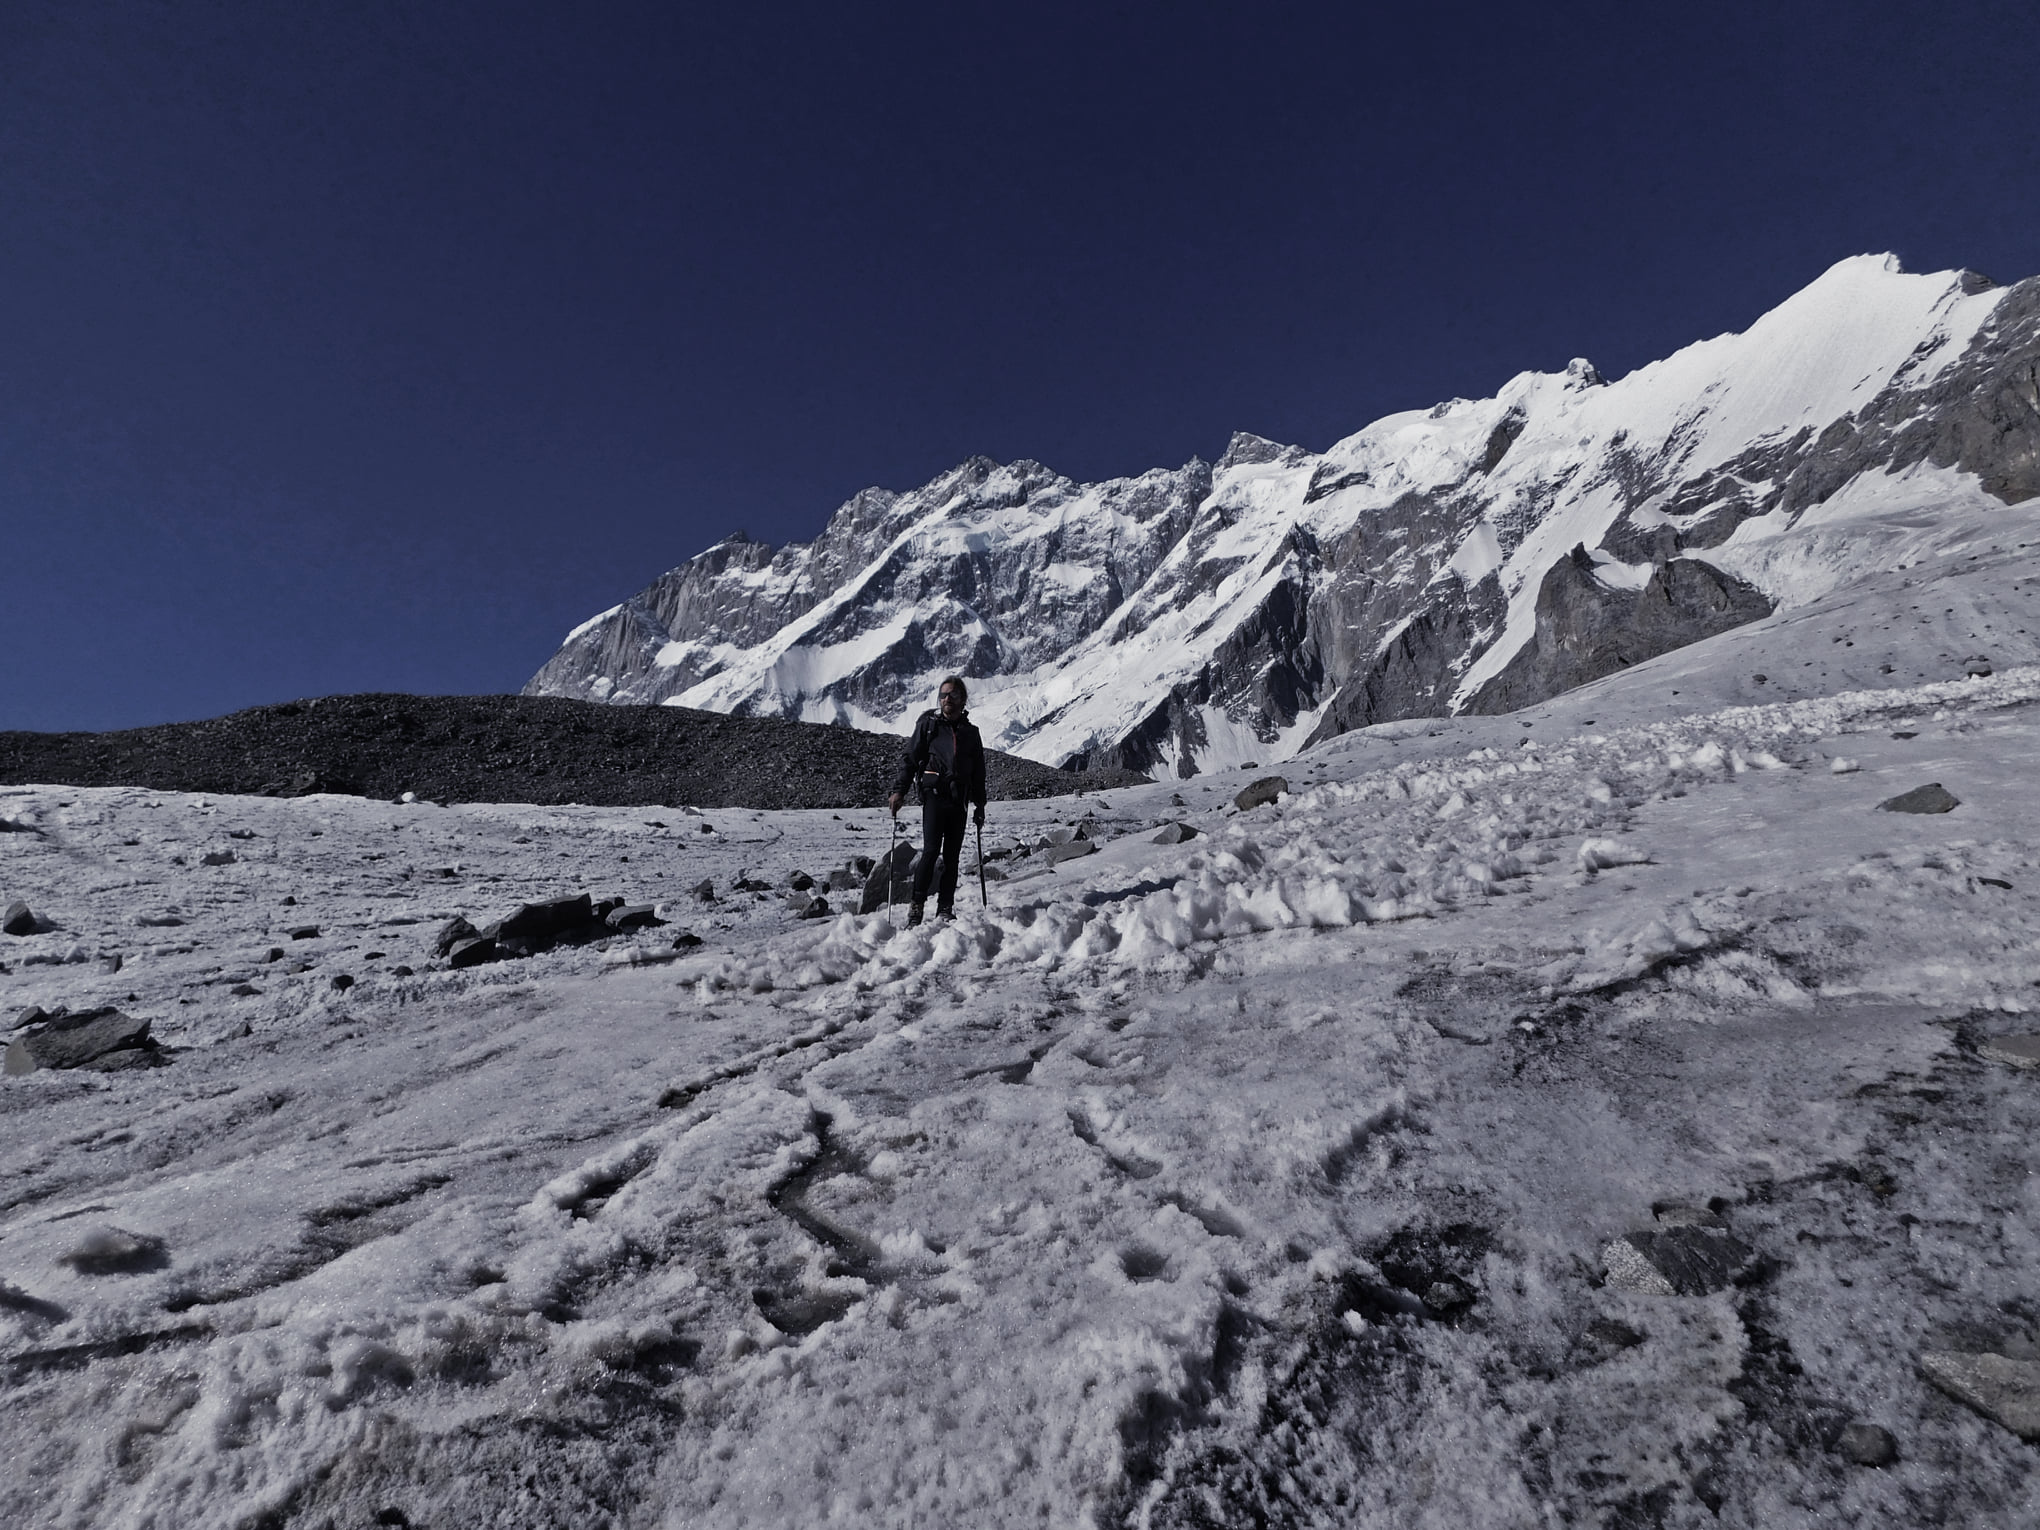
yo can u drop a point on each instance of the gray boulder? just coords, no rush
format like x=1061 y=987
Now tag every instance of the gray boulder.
x=1055 y=855
x=1257 y=793
x=79 y=1040
x=2019 y=1051
x=472 y=952
x=633 y=916
x=2004 y=1390
x=1931 y=798
x=539 y=921
x=451 y=934
x=1689 y=1253
x=892 y=873
x=18 y=919
x=1174 y=834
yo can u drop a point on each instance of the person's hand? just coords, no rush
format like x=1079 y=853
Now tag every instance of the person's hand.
x=980 y=817
x=894 y=802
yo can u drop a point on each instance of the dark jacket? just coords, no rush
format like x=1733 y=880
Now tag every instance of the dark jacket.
x=946 y=760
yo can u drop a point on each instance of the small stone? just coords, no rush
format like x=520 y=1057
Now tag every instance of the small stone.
x=113 y=1251
x=245 y=991
x=275 y=954
x=800 y=881
x=218 y=858
x=686 y=940
x=1843 y=766
x=704 y=890
x=1174 y=834
x=35 y=1014
x=18 y=919
x=342 y=982
x=818 y=909
x=304 y=932
x=158 y=921
x=400 y=971
x=1257 y=793
x=290 y=900
x=2019 y=1051
x=1866 y=1445
x=110 y=964
x=1977 y=669
x=1931 y=798
x=2003 y=1390
x=1072 y=850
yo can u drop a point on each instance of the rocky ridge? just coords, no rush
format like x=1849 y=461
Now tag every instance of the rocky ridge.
x=503 y=749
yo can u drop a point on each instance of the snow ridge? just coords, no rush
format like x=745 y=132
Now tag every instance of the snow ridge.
x=1210 y=616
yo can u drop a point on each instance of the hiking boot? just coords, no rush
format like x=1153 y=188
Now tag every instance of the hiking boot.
x=944 y=911
x=913 y=916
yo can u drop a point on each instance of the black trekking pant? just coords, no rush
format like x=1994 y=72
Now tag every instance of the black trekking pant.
x=941 y=834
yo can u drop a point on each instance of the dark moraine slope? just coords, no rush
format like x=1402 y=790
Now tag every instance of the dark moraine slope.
x=505 y=749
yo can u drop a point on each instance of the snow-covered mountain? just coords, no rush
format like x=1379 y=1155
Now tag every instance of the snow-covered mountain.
x=1470 y=558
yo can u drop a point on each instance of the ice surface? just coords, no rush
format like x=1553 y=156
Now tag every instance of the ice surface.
x=1263 y=1178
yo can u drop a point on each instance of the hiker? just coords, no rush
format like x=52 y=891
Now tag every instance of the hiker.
x=945 y=758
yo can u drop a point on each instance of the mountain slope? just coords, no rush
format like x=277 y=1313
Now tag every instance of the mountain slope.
x=1474 y=557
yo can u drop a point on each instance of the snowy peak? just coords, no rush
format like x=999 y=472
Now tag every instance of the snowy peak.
x=1472 y=557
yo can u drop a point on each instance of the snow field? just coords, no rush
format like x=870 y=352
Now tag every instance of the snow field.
x=1262 y=1177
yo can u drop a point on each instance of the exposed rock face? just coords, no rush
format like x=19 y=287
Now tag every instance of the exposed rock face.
x=1587 y=629
x=1478 y=556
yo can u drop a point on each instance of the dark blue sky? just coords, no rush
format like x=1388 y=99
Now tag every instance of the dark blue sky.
x=370 y=346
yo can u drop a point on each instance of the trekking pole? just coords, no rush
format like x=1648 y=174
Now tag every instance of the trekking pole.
x=892 y=869
x=984 y=898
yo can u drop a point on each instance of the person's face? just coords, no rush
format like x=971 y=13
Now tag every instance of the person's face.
x=951 y=701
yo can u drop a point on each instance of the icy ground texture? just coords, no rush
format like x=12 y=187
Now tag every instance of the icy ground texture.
x=1195 y=619
x=1260 y=1179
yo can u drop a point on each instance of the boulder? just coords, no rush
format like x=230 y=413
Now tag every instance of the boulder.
x=18 y=919
x=451 y=934
x=472 y=952
x=2019 y=1051
x=2003 y=1390
x=76 y=1040
x=704 y=891
x=1689 y=1253
x=1976 y=668
x=1055 y=855
x=817 y=908
x=538 y=921
x=218 y=858
x=633 y=916
x=1256 y=793
x=893 y=871
x=1174 y=834
x=1931 y=798
x=35 y=1014
x=686 y=940
x=303 y=932
x=800 y=881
